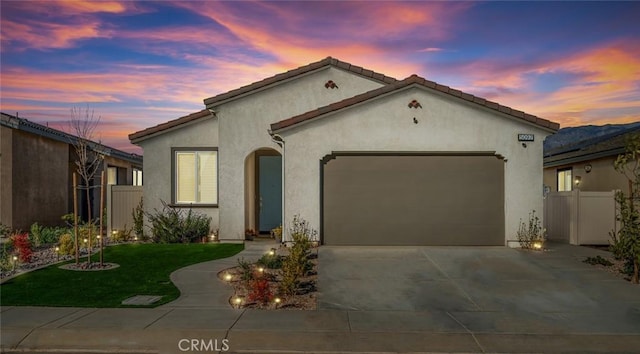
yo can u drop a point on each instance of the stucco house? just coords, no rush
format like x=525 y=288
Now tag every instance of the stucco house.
x=365 y=158
x=36 y=167
x=588 y=164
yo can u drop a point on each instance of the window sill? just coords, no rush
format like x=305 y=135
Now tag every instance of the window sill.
x=193 y=205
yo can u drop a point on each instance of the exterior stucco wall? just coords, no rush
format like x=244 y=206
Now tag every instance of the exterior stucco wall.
x=386 y=124
x=244 y=128
x=602 y=178
x=157 y=171
x=40 y=180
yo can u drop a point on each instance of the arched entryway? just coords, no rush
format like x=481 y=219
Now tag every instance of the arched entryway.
x=263 y=190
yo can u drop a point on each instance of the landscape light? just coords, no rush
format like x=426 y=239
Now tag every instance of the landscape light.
x=228 y=277
x=272 y=252
x=277 y=300
x=114 y=232
x=237 y=301
x=260 y=269
x=537 y=245
x=15 y=258
x=85 y=240
x=57 y=249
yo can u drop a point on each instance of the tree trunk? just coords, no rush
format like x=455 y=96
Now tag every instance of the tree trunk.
x=75 y=217
x=89 y=223
x=636 y=270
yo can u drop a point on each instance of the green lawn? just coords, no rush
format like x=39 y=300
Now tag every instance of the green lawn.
x=144 y=270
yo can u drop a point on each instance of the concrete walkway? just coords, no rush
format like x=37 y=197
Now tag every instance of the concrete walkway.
x=201 y=321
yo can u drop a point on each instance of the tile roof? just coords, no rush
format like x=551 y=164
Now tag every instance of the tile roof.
x=411 y=80
x=598 y=147
x=328 y=61
x=146 y=133
x=26 y=125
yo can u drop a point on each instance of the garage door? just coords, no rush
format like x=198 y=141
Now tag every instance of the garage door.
x=413 y=200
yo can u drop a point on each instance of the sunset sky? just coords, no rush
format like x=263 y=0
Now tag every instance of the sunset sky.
x=138 y=64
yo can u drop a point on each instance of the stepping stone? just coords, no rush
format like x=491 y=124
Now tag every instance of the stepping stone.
x=141 y=300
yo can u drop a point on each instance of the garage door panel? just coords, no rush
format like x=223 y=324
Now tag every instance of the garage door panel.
x=413 y=200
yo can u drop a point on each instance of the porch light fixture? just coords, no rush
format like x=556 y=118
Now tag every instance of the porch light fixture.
x=577 y=180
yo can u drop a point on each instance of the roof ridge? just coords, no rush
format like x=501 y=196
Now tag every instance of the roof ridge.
x=299 y=71
x=411 y=80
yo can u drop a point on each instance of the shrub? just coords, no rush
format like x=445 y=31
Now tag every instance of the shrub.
x=123 y=235
x=260 y=291
x=5 y=230
x=35 y=236
x=598 y=260
x=297 y=263
x=171 y=225
x=51 y=235
x=529 y=234
x=245 y=269
x=271 y=261
x=23 y=246
x=138 y=220
x=5 y=257
x=66 y=245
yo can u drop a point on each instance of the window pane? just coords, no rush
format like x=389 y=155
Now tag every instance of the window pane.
x=137 y=177
x=564 y=181
x=207 y=177
x=186 y=177
x=112 y=175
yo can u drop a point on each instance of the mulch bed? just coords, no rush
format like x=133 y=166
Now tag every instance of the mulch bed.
x=304 y=299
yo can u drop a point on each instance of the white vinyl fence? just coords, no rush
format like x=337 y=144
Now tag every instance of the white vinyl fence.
x=121 y=201
x=580 y=218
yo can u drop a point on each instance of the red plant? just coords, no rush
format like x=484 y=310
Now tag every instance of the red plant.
x=23 y=245
x=260 y=291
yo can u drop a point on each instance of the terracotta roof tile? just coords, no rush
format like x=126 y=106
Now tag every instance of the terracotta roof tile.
x=411 y=80
x=138 y=136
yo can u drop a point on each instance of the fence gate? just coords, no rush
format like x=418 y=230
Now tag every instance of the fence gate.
x=121 y=201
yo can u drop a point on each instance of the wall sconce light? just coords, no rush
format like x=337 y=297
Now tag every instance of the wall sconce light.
x=577 y=180
x=587 y=168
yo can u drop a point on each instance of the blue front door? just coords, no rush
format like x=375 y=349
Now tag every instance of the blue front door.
x=269 y=192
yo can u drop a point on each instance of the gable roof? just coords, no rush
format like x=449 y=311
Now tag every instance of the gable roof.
x=414 y=80
x=607 y=145
x=15 y=122
x=328 y=61
x=147 y=133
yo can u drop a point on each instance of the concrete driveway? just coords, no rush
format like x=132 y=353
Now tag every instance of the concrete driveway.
x=481 y=288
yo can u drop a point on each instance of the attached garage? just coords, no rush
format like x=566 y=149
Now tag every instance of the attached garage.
x=413 y=199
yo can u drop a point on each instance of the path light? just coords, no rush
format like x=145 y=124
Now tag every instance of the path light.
x=260 y=269
x=272 y=252
x=277 y=300
x=228 y=277
x=85 y=240
x=537 y=245
x=135 y=238
x=237 y=301
x=15 y=260
x=57 y=253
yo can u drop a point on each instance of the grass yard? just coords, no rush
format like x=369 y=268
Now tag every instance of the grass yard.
x=144 y=270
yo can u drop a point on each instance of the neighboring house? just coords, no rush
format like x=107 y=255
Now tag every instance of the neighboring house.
x=36 y=168
x=365 y=158
x=588 y=164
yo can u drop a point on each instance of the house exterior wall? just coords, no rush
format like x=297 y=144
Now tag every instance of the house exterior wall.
x=386 y=124
x=602 y=178
x=6 y=177
x=157 y=171
x=39 y=182
x=244 y=125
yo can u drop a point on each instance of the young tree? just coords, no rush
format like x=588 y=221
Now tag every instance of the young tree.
x=626 y=242
x=88 y=159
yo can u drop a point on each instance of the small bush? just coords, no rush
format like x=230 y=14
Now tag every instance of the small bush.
x=529 y=234
x=271 y=261
x=138 y=220
x=5 y=230
x=22 y=245
x=246 y=270
x=67 y=245
x=260 y=291
x=121 y=235
x=171 y=225
x=598 y=260
x=51 y=235
x=35 y=234
x=5 y=257
x=297 y=264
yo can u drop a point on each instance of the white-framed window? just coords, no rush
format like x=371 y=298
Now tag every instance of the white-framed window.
x=565 y=180
x=195 y=176
x=112 y=175
x=137 y=177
